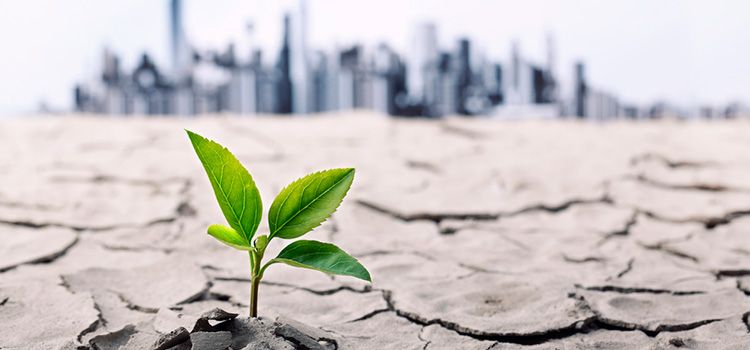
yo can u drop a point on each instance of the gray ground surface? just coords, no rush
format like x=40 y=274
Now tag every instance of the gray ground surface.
x=478 y=234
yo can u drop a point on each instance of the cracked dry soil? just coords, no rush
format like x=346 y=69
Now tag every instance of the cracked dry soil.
x=479 y=235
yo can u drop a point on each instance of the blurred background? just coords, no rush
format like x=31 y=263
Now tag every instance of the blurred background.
x=503 y=59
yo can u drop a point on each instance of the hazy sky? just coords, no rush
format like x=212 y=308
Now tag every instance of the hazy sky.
x=686 y=51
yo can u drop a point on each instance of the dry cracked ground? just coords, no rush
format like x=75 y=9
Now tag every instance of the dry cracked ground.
x=479 y=234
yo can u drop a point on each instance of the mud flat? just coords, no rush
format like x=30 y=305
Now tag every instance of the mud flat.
x=479 y=234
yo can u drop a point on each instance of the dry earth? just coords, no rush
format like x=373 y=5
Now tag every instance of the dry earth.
x=479 y=234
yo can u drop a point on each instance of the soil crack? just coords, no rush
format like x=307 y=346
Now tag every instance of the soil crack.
x=638 y=290
x=670 y=163
x=622 y=232
x=540 y=337
x=670 y=251
x=46 y=259
x=483 y=216
x=369 y=315
x=704 y=187
x=612 y=324
x=709 y=223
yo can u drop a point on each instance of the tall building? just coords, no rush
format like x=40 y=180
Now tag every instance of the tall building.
x=387 y=80
x=464 y=76
x=181 y=57
x=319 y=82
x=446 y=101
x=422 y=74
x=495 y=84
x=266 y=80
x=179 y=48
x=114 y=97
x=538 y=85
x=349 y=82
x=524 y=80
x=300 y=68
x=514 y=87
x=332 y=79
x=284 y=86
x=580 y=90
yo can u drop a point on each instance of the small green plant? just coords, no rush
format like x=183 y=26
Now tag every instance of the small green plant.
x=298 y=208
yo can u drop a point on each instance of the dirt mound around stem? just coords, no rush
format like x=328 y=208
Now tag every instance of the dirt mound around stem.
x=218 y=329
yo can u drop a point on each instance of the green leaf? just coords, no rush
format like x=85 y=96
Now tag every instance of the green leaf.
x=228 y=236
x=323 y=257
x=306 y=203
x=233 y=185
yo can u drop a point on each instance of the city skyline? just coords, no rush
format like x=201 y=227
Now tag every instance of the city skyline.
x=601 y=70
x=428 y=81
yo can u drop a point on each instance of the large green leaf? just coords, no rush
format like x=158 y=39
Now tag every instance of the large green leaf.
x=307 y=202
x=233 y=185
x=323 y=257
x=228 y=236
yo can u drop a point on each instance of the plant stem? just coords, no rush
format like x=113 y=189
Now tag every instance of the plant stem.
x=254 y=296
x=254 y=283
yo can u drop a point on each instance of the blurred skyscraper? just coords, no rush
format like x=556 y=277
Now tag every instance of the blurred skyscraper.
x=301 y=77
x=428 y=81
x=580 y=91
x=422 y=71
x=284 y=91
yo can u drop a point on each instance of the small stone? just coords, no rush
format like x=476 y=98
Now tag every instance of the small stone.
x=218 y=314
x=202 y=325
x=211 y=340
x=173 y=338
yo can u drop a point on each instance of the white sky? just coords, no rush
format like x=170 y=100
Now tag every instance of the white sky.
x=686 y=51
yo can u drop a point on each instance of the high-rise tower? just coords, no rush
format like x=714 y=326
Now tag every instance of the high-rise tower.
x=284 y=84
x=179 y=47
x=421 y=76
x=464 y=75
x=300 y=67
x=580 y=90
x=180 y=71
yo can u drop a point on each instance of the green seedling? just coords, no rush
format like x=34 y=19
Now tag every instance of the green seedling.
x=299 y=208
